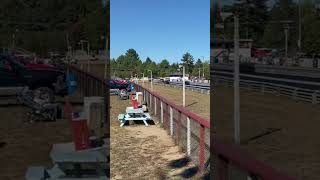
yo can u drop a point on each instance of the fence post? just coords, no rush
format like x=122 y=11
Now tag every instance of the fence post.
x=314 y=97
x=86 y=85
x=161 y=110
x=188 y=137
x=295 y=93
x=167 y=117
x=150 y=101
x=171 y=121
x=202 y=148
x=178 y=127
x=278 y=91
x=155 y=106
x=222 y=169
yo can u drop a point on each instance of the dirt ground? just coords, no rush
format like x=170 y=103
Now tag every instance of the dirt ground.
x=139 y=152
x=24 y=144
x=195 y=102
x=292 y=148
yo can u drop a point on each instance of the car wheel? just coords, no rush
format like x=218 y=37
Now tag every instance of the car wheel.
x=44 y=93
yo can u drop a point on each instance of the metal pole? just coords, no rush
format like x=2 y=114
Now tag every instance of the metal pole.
x=286 y=42
x=184 y=87
x=88 y=48
x=199 y=73
x=81 y=45
x=202 y=67
x=236 y=82
x=105 y=63
x=299 y=40
x=13 y=40
x=142 y=79
x=151 y=81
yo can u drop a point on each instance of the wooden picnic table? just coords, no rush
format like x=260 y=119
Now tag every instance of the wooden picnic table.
x=134 y=115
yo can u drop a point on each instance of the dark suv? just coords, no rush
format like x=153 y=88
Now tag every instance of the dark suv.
x=14 y=75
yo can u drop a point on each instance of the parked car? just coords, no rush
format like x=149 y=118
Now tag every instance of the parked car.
x=116 y=85
x=15 y=75
x=123 y=94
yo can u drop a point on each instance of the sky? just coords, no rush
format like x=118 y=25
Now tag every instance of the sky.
x=160 y=29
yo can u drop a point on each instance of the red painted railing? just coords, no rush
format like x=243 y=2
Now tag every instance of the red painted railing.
x=92 y=85
x=230 y=154
x=165 y=112
x=225 y=155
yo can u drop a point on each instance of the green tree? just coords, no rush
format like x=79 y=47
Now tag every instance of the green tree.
x=252 y=14
x=187 y=60
x=215 y=19
x=164 y=68
x=133 y=61
x=283 y=10
x=310 y=31
x=198 y=65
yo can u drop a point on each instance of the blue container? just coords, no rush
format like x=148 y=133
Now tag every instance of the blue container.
x=72 y=83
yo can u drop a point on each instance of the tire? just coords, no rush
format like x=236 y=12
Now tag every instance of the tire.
x=46 y=93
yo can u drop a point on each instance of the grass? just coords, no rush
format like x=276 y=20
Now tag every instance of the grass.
x=195 y=102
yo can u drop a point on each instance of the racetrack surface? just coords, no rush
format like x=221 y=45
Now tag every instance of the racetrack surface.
x=293 y=147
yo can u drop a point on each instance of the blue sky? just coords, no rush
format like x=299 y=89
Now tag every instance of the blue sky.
x=160 y=29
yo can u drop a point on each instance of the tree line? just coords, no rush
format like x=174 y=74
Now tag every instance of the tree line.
x=264 y=21
x=43 y=25
x=130 y=65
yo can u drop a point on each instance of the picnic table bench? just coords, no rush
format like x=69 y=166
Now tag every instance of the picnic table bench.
x=134 y=115
x=67 y=159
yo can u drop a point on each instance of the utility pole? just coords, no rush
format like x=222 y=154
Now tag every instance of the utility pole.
x=286 y=29
x=236 y=81
x=202 y=67
x=300 y=24
x=13 y=40
x=183 y=85
x=199 y=72
x=107 y=59
x=151 y=81
x=142 y=79
x=82 y=46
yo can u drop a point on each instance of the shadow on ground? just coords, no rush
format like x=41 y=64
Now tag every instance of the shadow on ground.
x=187 y=170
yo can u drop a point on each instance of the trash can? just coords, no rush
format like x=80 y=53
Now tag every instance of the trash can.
x=80 y=131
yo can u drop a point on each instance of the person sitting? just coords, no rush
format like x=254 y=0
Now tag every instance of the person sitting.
x=144 y=107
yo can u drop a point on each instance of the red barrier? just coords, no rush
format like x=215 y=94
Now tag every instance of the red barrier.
x=204 y=123
x=80 y=134
x=226 y=154
x=80 y=131
x=231 y=154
